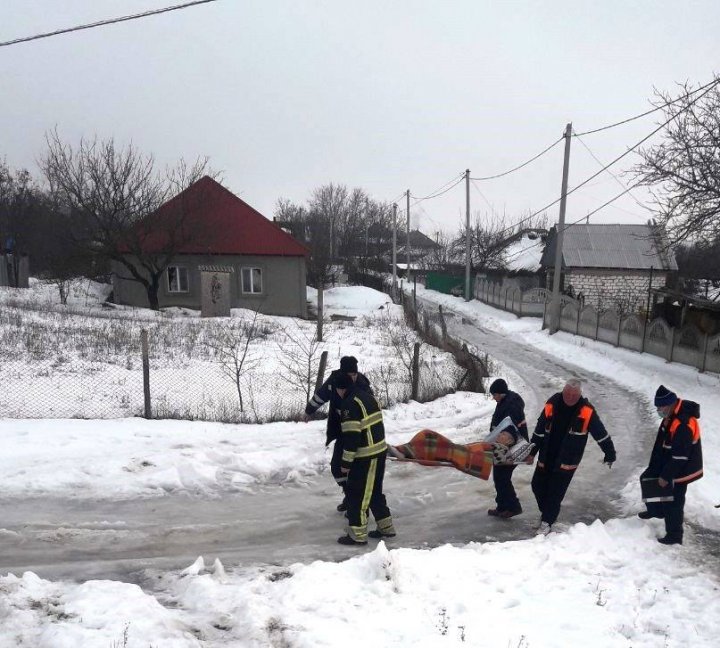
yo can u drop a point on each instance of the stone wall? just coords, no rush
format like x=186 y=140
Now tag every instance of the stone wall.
x=622 y=291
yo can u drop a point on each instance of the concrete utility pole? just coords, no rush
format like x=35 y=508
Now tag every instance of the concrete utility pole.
x=555 y=306
x=467 y=234
x=407 y=194
x=394 y=252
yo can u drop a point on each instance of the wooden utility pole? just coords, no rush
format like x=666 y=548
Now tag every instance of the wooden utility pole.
x=394 y=252
x=407 y=229
x=146 y=372
x=467 y=234
x=555 y=306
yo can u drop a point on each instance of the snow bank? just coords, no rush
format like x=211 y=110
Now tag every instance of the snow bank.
x=352 y=301
x=602 y=585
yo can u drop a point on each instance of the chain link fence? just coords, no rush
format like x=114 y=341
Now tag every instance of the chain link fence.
x=62 y=362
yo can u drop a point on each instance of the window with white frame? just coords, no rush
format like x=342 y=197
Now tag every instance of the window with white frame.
x=251 y=279
x=177 y=277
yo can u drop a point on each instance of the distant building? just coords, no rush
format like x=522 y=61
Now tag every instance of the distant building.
x=610 y=266
x=265 y=266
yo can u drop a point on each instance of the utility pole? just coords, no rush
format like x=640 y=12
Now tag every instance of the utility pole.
x=555 y=306
x=467 y=234
x=394 y=252
x=407 y=229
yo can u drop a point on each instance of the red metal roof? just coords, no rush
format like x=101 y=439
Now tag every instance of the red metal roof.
x=222 y=223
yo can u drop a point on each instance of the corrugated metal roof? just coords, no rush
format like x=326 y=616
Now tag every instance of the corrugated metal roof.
x=630 y=247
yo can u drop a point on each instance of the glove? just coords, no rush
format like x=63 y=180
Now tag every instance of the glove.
x=610 y=458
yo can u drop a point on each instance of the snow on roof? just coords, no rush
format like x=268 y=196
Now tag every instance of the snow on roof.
x=525 y=254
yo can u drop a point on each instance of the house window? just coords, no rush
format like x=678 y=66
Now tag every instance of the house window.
x=251 y=280
x=177 y=279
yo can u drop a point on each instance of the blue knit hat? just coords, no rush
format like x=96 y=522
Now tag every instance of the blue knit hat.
x=664 y=397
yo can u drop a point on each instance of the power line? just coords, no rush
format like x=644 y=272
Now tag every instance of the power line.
x=601 y=163
x=440 y=191
x=648 y=112
x=524 y=164
x=101 y=23
x=617 y=159
x=582 y=218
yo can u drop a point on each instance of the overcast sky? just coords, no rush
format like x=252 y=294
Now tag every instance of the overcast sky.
x=284 y=96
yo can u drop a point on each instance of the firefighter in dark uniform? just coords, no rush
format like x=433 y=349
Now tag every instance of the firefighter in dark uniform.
x=676 y=460
x=363 y=462
x=560 y=438
x=509 y=404
x=348 y=365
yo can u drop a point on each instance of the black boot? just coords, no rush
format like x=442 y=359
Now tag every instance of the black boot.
x=646 y=515
x=342 y=506
x=670 y=540
x=347 y=540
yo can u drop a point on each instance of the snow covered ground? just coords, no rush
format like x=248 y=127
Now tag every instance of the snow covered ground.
x=597 y=585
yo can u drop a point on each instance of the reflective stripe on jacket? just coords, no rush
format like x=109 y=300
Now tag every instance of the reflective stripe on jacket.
x=362 y=427
x=574 y=438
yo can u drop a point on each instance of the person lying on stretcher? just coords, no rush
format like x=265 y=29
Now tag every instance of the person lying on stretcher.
x=503 y=445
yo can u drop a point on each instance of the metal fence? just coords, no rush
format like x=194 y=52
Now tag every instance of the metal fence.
x=63 y=363
x=687 y=345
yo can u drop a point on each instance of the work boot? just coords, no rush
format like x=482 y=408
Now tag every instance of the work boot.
x=385 y=529
x=494 y=512
x=342 y=506
x=510 y=513
x=347 y=540
x=670 y=540
x=646 y=515
x=543 y=529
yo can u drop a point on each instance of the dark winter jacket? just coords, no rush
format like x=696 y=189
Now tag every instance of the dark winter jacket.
x=327 y=393
x=363 y=432
x=677 y=453
x=561 y=435
x=514 y=407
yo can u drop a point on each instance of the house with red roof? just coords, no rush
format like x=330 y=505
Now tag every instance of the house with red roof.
x=221 y=235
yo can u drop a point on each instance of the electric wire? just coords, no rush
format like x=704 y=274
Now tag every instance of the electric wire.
x=101 y=23
x=601 y=163
x=708 y=85
x=524 y=164
x=575 y=222
x=615 y=161
x=440 y=191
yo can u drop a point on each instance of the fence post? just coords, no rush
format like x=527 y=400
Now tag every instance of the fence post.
x=321 y=371
x=577 y=320
x=415 y=371
x=617 y=339
x=703 y=361
x=672 y=344
x=597 y=324
x=443 y=324
x=522 y=295
x=146 y=372
x=544 y=325
x=415 y=293
x=320 y=310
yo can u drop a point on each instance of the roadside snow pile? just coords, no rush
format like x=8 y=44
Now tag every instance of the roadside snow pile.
x=351 y=301
x=640 y=373
x=598 y=586
x=128 y=458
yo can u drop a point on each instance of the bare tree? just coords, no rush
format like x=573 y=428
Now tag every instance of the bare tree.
x=114 y=195
x=232 y=349
x=683 y=171
x=488 y=239
x=300 y=357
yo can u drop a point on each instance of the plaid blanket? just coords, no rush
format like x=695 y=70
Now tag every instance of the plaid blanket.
x=432 y=449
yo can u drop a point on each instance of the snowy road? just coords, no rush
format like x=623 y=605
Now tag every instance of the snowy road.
x=82 y=539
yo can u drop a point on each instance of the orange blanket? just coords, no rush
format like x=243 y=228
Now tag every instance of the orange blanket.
x=432 y=449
